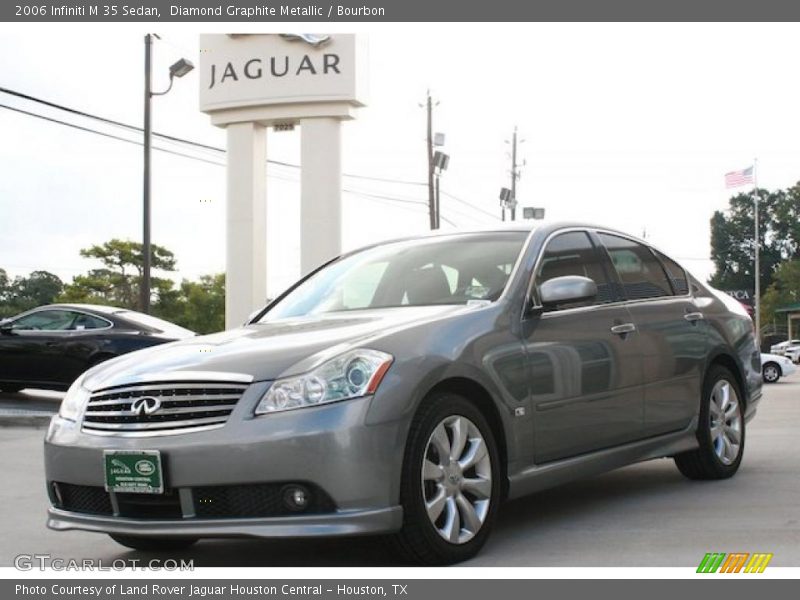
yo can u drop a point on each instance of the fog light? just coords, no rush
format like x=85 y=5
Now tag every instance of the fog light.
x=296 y=497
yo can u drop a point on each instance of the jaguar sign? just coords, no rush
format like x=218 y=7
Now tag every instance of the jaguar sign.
x=264 y=69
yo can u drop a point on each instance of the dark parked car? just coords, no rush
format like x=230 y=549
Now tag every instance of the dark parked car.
x=48 y=347
x=408 y=389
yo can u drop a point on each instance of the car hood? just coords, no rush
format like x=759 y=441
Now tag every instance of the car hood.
x=261 y=351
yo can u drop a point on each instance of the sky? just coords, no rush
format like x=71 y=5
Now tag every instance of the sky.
x=625 y=125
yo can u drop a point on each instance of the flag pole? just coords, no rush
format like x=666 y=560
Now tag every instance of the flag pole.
x=757 y=247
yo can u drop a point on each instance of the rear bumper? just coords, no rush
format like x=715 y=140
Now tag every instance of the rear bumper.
x=342 y=523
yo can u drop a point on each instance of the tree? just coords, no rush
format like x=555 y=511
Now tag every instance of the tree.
x=732 y=241
x=198 y=305
x=784 y=291
x=24 y=293
x=118 y=283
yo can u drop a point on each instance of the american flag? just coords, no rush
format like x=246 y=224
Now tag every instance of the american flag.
x=739 y=178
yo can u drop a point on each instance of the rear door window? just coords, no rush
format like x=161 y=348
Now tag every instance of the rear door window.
x=677 y=276
x=640 y=273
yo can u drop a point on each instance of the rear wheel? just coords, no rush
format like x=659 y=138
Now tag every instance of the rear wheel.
x=451 y=482
x=721 y=431
x=771 y=372
x=150 y=544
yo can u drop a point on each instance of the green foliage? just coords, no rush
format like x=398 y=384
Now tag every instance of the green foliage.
x=24 y=293
x=784 y=291
x=732 y=240
x=196 y=305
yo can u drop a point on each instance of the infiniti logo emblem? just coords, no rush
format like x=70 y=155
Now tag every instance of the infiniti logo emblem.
x=145 y=405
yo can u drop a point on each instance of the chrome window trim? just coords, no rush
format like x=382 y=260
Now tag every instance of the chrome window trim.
x=39 y=309
x=528 y=299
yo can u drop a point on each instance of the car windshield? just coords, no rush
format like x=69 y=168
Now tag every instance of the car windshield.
x=446 y=270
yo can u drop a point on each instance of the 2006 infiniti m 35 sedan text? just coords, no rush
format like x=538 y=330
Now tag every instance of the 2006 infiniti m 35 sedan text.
x=407 y=389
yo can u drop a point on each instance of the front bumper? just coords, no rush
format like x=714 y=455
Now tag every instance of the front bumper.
x=342 y=523
x=329 y=447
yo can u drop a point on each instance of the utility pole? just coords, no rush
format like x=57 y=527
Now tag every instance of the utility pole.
x=515 y=174
x=148 y=77
x=432 y=208
x=757 y=247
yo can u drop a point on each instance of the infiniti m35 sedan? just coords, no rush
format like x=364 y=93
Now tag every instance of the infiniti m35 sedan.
x=407 y=389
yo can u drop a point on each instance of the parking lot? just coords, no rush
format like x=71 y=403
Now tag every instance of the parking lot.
x=643 y=515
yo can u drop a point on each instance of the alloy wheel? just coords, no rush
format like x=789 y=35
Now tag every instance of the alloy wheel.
x=456 y=479
x=726 y=422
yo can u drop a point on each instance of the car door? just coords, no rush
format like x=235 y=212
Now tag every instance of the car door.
x=30 y=350
x=585 y=369
x=671 y=332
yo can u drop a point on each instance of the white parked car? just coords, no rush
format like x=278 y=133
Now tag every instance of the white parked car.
x=773 y=367
x=793 y=353
x=780 y=349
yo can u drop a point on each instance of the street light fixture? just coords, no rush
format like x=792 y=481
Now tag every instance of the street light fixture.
x=178 y=69
x=440 y=162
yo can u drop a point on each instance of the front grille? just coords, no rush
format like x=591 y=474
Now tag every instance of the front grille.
x=157 y=409
x=82 y=499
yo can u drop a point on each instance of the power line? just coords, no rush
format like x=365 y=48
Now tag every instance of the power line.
x=469 y=204
x=191 y=157
x=177 y=139
x=104 y=134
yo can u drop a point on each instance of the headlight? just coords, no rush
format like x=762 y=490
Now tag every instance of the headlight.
x=351 y=375
x=74 y=402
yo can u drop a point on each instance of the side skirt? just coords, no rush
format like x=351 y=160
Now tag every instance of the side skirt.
x=541 y=477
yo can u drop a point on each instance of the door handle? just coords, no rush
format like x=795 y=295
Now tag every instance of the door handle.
x=693 y=317
x=623 y=329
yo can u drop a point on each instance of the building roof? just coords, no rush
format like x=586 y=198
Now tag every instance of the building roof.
x=790 y=308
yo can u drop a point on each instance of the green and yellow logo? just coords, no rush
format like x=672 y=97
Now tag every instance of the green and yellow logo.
x=736 y=562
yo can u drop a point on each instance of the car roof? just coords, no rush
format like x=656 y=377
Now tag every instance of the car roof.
x=98 y=308
x=525 y=226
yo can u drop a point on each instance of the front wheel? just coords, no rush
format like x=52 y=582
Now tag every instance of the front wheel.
x=771 y=373
x=151 y=544
x=721 y=430
x=451 y=482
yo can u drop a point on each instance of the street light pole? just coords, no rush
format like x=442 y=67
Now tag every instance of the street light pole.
x=178 y=69
x=148 y=96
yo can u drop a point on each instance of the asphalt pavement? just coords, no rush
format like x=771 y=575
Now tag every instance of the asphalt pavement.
x=642 y=515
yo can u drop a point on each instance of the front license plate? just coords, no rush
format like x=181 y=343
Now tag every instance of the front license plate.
x=134 y=471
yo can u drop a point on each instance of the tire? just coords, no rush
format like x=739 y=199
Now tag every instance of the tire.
x=471 y=495
x=771 y=372
x=149 y=544
x=716 y=458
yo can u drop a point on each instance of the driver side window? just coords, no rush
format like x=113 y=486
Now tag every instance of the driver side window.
x=573 y=253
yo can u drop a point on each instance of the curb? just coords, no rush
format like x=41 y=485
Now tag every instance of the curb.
x=23 y=418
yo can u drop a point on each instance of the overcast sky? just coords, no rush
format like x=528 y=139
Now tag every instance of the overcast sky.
x=631 y=126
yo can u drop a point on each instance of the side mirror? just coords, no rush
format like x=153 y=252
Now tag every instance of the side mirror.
x=6 y=327
x=567 y=289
